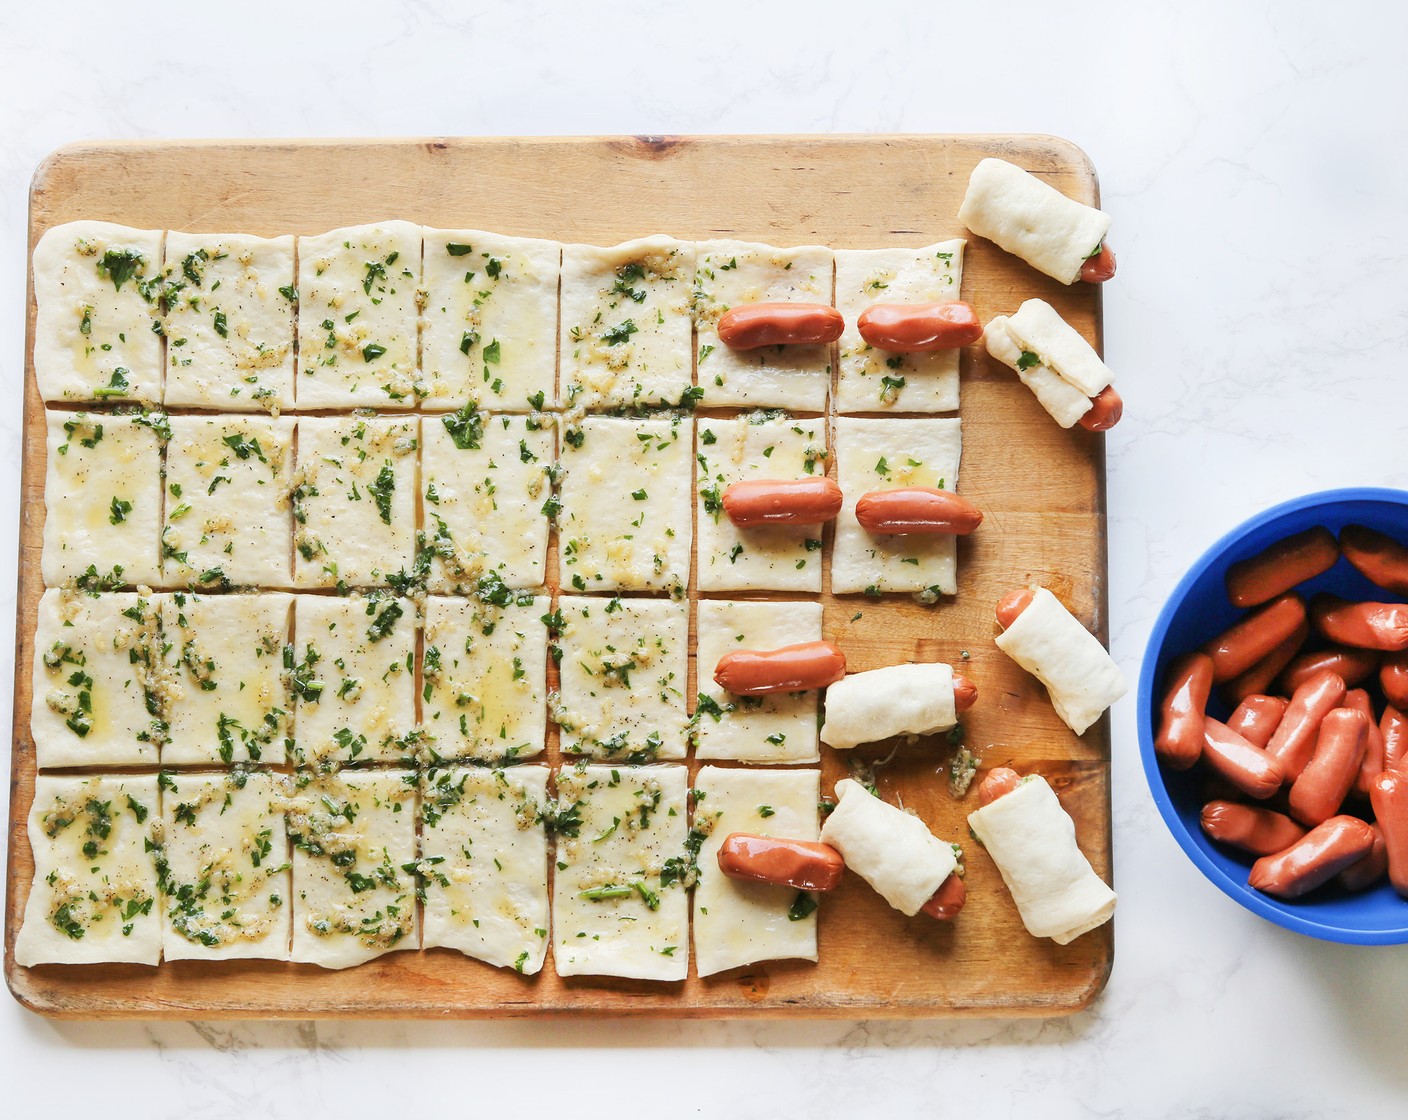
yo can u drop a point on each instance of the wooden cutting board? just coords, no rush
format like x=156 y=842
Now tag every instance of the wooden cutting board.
x=1042 y=490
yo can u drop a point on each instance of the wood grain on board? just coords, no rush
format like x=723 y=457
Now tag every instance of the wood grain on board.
x=1042 y=490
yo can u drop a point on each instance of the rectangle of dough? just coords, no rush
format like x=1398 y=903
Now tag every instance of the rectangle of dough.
x=626 y=324
x=353 y=898
x=757 y=558
x=96 y=289
x=612 y=912
x=94 y=690
x=623 y=669
x=352 y=670
x=357 y=310
x=733 y=273
x=94 y=894
x=885 y=455
x=873 y=380
x=102 y=497
x=779 y=727
x=227 y=507
x=484 y=863
x=490 y=322
x=354 y=500
x=485 y=673
x=226 y=883
x=229 y=324
x=624 y=524
x=738 y=922
x=223 y=688
x=485 y=481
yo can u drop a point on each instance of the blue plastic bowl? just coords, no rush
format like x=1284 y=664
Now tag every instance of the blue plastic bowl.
x=1198 y=610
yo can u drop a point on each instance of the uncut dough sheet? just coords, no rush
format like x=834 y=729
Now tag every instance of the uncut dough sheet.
x=916 y=382
x=737 y=922
x=887 y=454
x=1032 y=839
x=734 y=273
x=230 y=323
x=357 y=317
x=222 y=682
x=1080 y=676
x=95 y=288
x=94 y=896
x=626 y=330
x=484 y=863
x=226 y=850
x=485 y=673
x=757 y=558
x=93 y=673
x=631 y=923
x=353 y=678
x=102 y=499
x=624 y=524
x=489 y=331
x=354 y=503
x=484 y=501
x=779 y=727
x=352 y=836
x=227 y=508
x=623 y=674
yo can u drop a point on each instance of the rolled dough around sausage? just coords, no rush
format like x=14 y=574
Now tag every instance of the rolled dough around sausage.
x=1031 y=219
x=892 y=851
x=1032 y=839
x=895 y=700
x=1048 y=642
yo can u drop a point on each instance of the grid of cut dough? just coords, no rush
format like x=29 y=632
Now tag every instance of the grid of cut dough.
x=485 y=530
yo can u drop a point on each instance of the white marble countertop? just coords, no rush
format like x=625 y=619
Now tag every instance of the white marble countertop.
x=1253 y=157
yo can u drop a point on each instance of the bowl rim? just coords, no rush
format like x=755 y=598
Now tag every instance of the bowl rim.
x=1263 y=906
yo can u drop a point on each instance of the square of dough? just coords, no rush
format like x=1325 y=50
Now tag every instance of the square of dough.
x=619 y=908
x=757 y=558
x=223 y=688
x=353 y=898
x=737 y=922
x=489 y=330
x=485 y=672
x=484 y=863
x=227 y=507
x=885 y=455
x=94 y=894
x=352 y=668
x=875 y=380
x=354 y=500
x=96 y=288
x=102 y=497
x=622 y=672
x=226 y=884
x=730 y=273
x=624 y=521
x=95 y=693
x=485 y=482
x=777 y=727
x=626 y=325
x=229 y=321
x=357 y=309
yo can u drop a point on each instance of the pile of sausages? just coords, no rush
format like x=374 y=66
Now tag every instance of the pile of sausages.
x=1318 y=734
